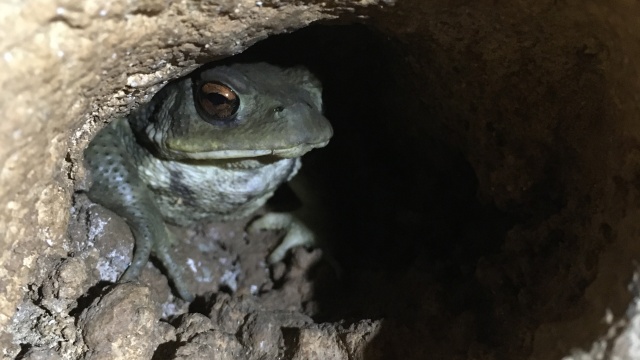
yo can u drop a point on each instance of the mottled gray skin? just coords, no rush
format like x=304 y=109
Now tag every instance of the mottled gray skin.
x=165 y=163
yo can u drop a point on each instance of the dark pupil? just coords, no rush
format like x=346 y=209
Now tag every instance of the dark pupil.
x=217 y=99
x=218 y=105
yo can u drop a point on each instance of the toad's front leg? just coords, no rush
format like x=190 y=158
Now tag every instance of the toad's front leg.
x=117 y=186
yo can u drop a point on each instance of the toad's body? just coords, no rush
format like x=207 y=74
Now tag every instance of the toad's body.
x=213 y=146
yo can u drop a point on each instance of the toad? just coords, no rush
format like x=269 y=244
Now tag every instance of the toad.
x=213 y=146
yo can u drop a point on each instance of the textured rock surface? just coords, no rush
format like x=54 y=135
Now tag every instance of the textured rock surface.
x=45 y=320
x=124 y=324
x=541 y=100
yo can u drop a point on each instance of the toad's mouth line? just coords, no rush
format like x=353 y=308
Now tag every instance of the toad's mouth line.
x=291 y=152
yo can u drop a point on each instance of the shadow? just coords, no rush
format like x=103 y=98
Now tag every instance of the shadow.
x=166 y=350
x=407 y=226
x=202 y=303
x=24 y=349
x=94 y=292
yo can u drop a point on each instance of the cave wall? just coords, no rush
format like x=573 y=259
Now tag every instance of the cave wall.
x=564 y=158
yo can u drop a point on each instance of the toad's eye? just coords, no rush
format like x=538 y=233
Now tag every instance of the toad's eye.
x=218 y=101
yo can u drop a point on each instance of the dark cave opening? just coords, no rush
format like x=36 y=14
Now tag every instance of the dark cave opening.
x=409 y=228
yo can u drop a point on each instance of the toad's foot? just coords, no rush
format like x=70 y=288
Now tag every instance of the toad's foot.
x=297 y=234
x=162 y=251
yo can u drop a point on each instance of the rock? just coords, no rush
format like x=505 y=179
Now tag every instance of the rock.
x=123 y=324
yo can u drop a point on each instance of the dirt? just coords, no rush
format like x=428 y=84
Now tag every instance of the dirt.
x=244 y=309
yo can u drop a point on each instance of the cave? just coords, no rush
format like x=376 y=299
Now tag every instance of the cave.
x=481 y=184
